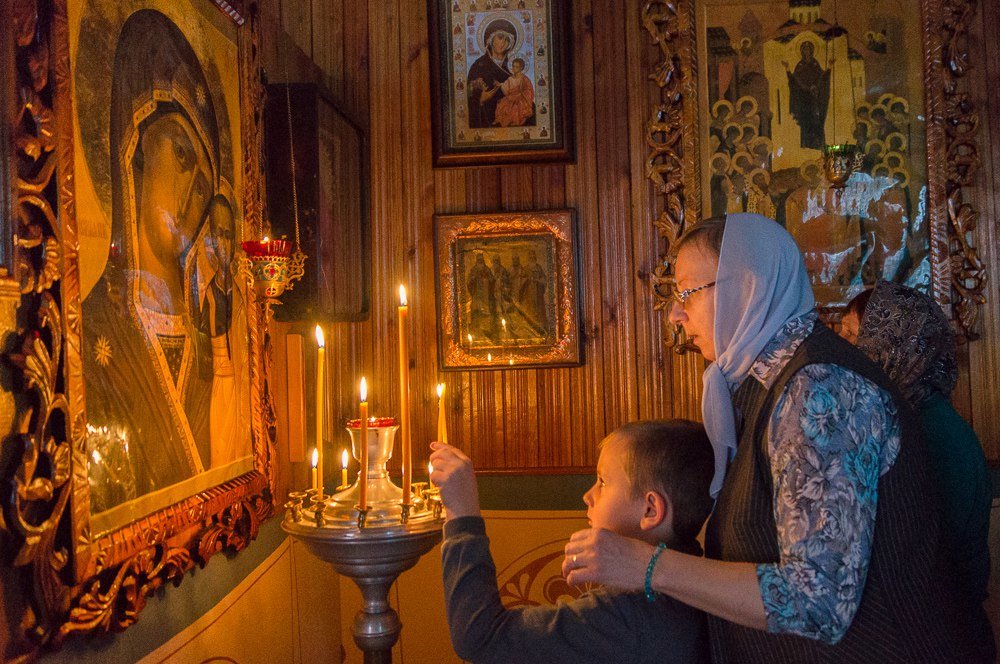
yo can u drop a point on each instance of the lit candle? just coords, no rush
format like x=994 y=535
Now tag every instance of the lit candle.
x=469 y=337
x=503 y=321
x=320 y=403
x=430 y=469
x=343 y=469
x=315 y=462
x=442 y=422
x=404 y=394
x=363 y=480
x=489 y=357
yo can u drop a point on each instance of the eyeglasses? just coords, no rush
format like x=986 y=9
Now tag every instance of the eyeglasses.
x=682 y=296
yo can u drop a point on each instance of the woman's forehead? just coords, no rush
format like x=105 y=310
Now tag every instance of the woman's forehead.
x=695 y=261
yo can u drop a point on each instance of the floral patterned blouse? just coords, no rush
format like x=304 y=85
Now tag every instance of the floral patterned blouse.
x=831 y=436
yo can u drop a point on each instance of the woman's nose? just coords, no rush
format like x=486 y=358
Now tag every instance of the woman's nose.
x=676 y=313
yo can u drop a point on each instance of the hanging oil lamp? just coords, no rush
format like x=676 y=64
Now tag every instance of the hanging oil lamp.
x=840 y=162
x=271 y=266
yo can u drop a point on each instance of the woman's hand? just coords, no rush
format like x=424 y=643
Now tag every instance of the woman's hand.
x=452 y=472
x=601 y=556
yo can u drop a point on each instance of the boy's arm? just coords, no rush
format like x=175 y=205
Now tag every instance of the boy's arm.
x=594 y=628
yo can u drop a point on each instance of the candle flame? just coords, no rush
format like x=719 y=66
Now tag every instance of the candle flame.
x=440 y=390
x=469 y=337
x=430 y=468
x=510 y=362
x=503 y=321
x=489 y=357
x=343 y=459
x=315 y=459
x=265 y=240
x=320 y=340
x=402 y=295
x=364 y=389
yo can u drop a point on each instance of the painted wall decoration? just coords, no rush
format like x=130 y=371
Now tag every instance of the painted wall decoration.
x=779 y=81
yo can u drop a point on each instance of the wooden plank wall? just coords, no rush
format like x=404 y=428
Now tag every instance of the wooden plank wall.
x=374 y=58
x=979 y=391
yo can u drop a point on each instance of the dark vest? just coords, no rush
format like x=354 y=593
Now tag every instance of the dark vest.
x=910 y=610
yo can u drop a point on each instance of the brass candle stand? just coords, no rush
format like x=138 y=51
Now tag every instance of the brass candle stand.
x=373 y=545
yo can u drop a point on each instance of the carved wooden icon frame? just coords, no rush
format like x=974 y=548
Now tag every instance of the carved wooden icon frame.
x=957 y=272
x=72 y=579
x=508 y=290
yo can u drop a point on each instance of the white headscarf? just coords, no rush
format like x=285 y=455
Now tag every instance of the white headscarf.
x=761 y=284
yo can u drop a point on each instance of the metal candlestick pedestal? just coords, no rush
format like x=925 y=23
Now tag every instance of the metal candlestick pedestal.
x=373 y=546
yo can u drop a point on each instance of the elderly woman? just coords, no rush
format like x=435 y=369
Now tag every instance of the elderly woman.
x=906 y=333
x=813 y=445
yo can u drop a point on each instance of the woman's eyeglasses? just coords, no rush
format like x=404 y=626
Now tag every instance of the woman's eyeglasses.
x=683 y=295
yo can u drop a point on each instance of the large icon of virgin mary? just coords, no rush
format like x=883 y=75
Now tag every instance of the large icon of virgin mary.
x=150 y=320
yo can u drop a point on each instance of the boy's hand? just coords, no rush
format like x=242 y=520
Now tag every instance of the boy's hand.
x=453 y=474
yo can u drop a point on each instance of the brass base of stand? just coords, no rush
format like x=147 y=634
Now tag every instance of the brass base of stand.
x=373 y=557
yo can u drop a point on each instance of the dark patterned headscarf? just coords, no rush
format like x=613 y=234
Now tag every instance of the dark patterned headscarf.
x=908 y=335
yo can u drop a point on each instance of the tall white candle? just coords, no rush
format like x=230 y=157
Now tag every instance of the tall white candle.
x=320 y=404
x=404 y=394
x=363 y=480
x=442 y=422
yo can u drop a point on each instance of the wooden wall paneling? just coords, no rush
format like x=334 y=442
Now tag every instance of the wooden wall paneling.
x=654 y=389
x=609 y=90
x=418 y=188
x=270 y=38
x=686 y=371
x=984 y=353
x=356 y=61
x=341 y=375
x=327 y=21
x=487 y=435
x=554 y=405
x=389 y=246
x=296 y=20
x=587 y=384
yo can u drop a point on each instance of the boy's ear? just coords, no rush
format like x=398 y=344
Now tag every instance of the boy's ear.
x=657 y=510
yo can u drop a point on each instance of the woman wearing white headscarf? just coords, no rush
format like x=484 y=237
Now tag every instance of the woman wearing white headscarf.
x=813 y=447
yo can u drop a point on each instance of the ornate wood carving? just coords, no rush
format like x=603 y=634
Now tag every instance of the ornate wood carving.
x=961 y=123
x=952 y=137
x=75 y=583
x=668 y=155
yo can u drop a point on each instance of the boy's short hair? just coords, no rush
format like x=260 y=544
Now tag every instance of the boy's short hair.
x=675 y=458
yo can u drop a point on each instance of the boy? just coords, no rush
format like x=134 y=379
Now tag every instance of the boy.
x=652 y=484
